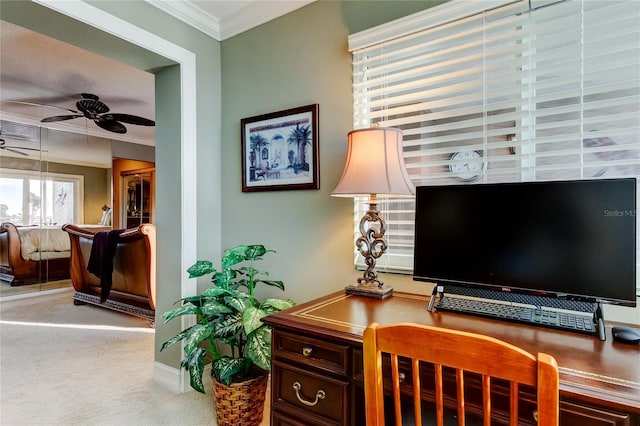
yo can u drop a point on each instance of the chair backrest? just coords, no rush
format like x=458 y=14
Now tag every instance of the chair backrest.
x=412 y=347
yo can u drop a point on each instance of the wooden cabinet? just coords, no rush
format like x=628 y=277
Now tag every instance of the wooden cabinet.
x=317 y=374
x=138 y=192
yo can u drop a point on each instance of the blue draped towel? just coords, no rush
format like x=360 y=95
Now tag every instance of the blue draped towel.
x=100 y=262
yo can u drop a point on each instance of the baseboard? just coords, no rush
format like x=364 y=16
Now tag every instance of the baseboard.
x=170 y=377
x=167 y=376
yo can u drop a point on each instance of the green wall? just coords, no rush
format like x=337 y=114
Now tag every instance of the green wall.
x=295 y=60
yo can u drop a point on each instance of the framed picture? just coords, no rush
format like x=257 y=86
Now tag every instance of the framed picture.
x=280 y=150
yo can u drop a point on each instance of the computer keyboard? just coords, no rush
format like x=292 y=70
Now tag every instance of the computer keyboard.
x=547 y=318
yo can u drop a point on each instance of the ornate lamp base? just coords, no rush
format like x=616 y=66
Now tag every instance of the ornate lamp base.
x=369 y=290
x=371 y=245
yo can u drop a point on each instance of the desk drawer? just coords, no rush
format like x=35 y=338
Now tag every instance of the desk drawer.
x=584 y=415
x=312 y=352
x=305 y=394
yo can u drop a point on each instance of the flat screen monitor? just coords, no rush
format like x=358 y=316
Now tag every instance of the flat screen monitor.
x=571 y=239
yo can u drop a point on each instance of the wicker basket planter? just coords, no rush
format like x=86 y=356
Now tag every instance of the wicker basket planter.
x=240 y=403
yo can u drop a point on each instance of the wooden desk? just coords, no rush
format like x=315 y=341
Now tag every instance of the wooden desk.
x=317 y=361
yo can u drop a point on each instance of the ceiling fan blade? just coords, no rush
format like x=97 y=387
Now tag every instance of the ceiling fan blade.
x=28 y=149
x=89 y=96
x=92 y=107
x=133 y=119
x=111 y=125
x=44 y=105
x=14 y=151
x=60 y=118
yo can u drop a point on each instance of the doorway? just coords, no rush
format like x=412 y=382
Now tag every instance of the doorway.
x=178 y=210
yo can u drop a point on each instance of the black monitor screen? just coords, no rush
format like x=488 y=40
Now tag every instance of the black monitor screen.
x=565 y=239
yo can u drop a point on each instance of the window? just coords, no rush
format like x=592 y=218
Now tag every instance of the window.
x=523 y=90
x=29 y=198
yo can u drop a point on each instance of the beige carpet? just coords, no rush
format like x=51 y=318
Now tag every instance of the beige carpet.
x=62 y=364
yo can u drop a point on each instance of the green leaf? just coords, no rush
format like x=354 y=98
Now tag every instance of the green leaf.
x=225 y=368
x=174 y=339
x=228 y=326
x=213 y=292
x=233 y=256
x=186 y=309
x=196 y=335
x=278 y=304
x=247 y=270
x=273 y=283
x=259 y=348
x=252 y=319
x=224 y=279
x=239 y=302
x=256 y=251
x=213 y=307
x=194 y=363
x=200 y=268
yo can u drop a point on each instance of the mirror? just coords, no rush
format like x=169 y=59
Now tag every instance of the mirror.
x=49 y=178
x=65 y=148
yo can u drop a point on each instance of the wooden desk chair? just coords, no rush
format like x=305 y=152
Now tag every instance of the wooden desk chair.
x=464 y=352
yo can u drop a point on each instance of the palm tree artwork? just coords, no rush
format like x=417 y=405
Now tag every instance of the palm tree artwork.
x=280 y=150
x=256 y=143
x=300 y=137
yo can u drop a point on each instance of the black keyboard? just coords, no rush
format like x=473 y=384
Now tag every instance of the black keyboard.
x=547 y=318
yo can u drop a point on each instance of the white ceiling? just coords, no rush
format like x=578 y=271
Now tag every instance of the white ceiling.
x=36 y=68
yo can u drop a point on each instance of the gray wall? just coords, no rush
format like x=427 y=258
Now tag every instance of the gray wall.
x=299 y=59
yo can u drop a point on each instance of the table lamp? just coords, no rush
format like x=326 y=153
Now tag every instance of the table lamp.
x=374 y=168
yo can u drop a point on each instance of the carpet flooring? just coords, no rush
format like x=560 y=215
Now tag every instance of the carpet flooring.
x=62 y=364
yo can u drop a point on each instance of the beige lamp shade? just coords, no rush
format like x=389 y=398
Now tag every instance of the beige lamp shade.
x=375 y=165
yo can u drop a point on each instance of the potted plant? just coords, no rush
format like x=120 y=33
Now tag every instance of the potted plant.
x=230 y=332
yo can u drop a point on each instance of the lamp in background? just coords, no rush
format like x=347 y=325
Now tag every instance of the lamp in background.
x=374 y=167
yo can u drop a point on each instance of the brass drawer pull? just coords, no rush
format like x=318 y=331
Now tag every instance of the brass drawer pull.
x=306 y=351
x=319 y=395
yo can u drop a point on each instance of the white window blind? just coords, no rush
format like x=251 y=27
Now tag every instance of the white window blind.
x=541 y=90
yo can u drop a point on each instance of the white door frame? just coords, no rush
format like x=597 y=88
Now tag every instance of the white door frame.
x=102 y=20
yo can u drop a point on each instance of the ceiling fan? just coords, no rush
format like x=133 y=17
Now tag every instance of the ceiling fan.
x=90 y=106
x=15 y=149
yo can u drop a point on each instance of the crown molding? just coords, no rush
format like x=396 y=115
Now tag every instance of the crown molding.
x=257 y=13
x=250 y=16
x=190 y=14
